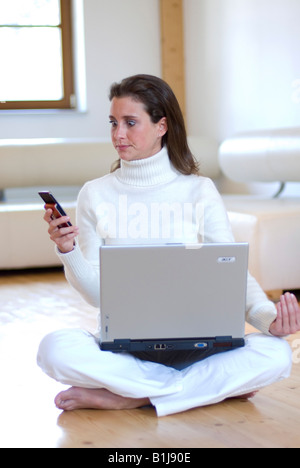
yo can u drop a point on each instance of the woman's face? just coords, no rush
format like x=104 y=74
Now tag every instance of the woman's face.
x=133 y=133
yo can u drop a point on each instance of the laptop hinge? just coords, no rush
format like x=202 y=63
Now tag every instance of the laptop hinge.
x=223 y=338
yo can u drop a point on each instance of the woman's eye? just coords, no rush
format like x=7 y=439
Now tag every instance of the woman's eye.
x=131 y=123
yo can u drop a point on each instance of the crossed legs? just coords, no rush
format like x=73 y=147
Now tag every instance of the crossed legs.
x=101 y=380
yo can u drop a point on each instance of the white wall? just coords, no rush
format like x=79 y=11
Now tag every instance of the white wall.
x=242 y=65
x=122 y=38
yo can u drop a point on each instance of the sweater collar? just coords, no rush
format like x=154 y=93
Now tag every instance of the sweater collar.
x=152 y=171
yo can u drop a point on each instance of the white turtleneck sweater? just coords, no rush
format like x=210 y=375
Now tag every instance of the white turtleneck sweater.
x=149 y=202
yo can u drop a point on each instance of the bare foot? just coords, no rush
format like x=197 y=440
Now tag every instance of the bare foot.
x=247 y=396
x=84 y=398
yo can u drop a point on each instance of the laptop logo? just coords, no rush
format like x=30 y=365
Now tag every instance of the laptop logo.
x=226 y=259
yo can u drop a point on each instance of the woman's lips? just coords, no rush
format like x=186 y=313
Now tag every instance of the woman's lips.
x=122 y=147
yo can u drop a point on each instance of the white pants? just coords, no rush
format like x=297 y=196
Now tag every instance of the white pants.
x=73 y=357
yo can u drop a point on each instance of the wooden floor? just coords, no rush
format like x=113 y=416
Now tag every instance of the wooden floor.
x=33 y=304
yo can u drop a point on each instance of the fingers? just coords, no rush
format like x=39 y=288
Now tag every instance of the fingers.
x=285 y=316
x=47 y=216
x=56 y=233
x=288 y=315
x=293 y=312
x=64 y=236
x=279 y=320
x=55 y=223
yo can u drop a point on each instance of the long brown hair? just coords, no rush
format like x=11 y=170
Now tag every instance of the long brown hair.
x=160 y=101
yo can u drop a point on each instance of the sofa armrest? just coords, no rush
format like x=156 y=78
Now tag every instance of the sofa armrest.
x=266 y=156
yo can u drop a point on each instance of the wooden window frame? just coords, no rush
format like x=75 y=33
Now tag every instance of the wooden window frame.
x=67 y=102
x=172 y=47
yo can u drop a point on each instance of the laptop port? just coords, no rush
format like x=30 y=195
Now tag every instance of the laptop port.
x=160 y=347
x=200 y=345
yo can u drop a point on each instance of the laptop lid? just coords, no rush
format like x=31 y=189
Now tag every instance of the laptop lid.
x=161 y=295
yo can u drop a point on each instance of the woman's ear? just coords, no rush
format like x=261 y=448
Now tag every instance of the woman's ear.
x=162 y=127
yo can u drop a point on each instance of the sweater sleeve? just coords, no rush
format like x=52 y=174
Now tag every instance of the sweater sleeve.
x=82 y=268
x=260 y=311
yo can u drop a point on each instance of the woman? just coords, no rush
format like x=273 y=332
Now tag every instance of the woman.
x=155 y=167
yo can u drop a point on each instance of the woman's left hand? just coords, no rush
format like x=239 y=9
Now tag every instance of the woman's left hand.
x=288 y=316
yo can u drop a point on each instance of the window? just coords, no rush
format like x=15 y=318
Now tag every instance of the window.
x=36 y=54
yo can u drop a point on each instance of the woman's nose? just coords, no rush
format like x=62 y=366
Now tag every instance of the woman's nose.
x=119 y=131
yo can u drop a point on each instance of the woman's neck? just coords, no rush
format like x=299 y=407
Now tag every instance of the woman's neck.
x=155 y=170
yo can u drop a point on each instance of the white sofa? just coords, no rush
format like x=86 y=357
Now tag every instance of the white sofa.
x=61 y=166
x=64 y=165
x=271 y=225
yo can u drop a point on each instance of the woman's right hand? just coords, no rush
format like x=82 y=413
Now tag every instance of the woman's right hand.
x=63 y=237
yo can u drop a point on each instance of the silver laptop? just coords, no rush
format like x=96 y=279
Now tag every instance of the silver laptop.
x=173 y=297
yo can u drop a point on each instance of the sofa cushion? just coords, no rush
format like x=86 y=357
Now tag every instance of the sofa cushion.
x=272 y=229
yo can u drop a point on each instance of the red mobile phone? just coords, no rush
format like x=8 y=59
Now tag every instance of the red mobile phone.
x=57 y=210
